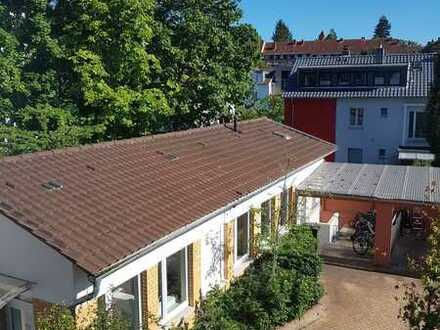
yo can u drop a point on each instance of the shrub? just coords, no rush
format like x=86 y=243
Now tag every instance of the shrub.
x=280 y=286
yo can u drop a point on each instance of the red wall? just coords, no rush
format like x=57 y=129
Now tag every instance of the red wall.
x=313 y=116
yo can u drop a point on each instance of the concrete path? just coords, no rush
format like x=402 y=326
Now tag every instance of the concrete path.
x=357 y=300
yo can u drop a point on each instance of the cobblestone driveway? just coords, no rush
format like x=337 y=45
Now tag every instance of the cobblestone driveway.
x=357 y=299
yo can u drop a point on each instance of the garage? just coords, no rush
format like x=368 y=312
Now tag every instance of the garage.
x=400 y=200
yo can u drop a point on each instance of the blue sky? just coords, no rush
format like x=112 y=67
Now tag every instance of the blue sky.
x=417 y=20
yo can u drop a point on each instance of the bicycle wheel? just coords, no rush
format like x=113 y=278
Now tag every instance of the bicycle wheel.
x=361 y=245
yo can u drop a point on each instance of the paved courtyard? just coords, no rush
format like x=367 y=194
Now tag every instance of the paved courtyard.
x=357 y=299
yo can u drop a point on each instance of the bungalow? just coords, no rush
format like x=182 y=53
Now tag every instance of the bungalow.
x=148 y=225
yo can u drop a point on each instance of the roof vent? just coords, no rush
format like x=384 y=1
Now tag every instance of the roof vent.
x=167 y=155
x=52 y=185
x=282 y=135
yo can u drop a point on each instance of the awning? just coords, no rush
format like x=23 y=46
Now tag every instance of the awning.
x=10 y=288
x=380 y=182
x=407 y=154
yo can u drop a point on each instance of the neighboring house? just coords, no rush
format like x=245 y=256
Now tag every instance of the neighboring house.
x=279 y=57
x=371 y=106
x=263 y=83
x=147 y=224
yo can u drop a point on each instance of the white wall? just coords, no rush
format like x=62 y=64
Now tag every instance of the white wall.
x=207 y=228
x=25 y=257
x=377 y=133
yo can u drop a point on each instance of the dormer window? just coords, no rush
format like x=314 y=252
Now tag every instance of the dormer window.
x=360 y=79
x=379 y=79
x=325 y=79
x=344 y=79
x=395 y=78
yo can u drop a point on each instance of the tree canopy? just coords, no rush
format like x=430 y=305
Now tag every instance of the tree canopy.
x=282 y=32
x=383 y=28
x=331 y=35
x=432 y=46
x=433 y=110
x=321 y=35
x=85 y=71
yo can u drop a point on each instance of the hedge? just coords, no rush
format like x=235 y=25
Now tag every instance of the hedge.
x=277 y=288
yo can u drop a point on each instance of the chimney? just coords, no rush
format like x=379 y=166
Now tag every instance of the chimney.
x=380 y=54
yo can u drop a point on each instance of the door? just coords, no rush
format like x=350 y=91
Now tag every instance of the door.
x=20 y=315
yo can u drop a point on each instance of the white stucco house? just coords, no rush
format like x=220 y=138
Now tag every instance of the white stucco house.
x=371 y=106
x=147 y=225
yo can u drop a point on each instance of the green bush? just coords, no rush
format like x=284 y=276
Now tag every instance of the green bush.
x=279 y=287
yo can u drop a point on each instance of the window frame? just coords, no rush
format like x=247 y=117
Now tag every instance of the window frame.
x=357 y=117
x=399 y=83
x=384 y=112
x=348 y=155
x=384 y=155
x=164 y=314
x=109 y=298
x=415 y=108
x=240 y=260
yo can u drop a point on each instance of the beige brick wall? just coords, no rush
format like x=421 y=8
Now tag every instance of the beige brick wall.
x=255 y=230
x=86 y=313
x=229 y=250
x=194 y=273
x=150 y=297
x=276 y=212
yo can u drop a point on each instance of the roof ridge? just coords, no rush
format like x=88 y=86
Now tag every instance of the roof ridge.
x=132 y=140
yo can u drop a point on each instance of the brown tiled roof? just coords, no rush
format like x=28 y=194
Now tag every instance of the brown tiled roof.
x=324 y=47
x=119 y=197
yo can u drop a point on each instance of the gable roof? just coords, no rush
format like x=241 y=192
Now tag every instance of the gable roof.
x=420 y=70
x=99 y=204
x=335 y=47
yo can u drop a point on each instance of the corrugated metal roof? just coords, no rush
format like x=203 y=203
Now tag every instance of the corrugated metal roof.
x=389 y=182
x=420 y=76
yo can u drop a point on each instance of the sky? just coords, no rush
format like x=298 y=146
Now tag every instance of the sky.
x=417 y=20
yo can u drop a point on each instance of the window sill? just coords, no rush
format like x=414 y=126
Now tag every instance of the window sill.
x=356 y=127
x=176 y=316
x=241 y=265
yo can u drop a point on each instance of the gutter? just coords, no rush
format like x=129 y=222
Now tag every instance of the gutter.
x=127 y=260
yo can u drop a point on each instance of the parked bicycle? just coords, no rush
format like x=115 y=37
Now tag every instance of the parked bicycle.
x=364 y=241
x=361 y=221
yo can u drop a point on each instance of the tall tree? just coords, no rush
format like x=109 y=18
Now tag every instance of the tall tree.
x=282 y=32
x=383 y=28
x=113 y=76
x=432 y=46
x=433 y=110
x=331 y=35
x=321 y=35
x=34 y=113
x=206 y=55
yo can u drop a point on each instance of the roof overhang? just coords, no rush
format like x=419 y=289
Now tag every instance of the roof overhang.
x=10 y=288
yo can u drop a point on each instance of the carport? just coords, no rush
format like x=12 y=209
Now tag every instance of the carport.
x=347 y=189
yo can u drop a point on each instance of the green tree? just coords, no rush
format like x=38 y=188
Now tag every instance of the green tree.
x=206 y=55
x=432 y=46
x=113 y=76
x=31 y=59
x=321 y=35
x=282 y=32
x=331 y=35
x=271 y=107
x=421 y=303
x=383 y=28
x=433 y=110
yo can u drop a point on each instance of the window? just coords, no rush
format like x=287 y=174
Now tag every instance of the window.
x=242 y=236
x=284 y=79
x=382 y=154
x=125 y=300
x=384 y=113
x=15 y=319
x=309 y=79
x=344 y=79
x=360 y=79
x=173 y=283
x=354 y=155
x=416 y=124
x=356 y=117
x=379 y=79
x=325 y=79
x=395 y=78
